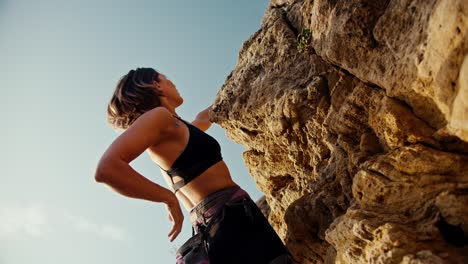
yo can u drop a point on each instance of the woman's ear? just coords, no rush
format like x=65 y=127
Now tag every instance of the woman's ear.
x=158 y=88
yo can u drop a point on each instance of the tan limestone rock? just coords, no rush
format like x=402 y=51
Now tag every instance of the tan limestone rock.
x=359 y=143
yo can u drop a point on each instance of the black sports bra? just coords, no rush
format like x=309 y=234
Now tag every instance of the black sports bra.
x=202 y=151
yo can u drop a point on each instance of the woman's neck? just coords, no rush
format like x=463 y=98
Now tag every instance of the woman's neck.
x=169 y=107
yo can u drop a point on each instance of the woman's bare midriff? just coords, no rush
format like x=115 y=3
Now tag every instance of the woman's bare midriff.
x=214 y=179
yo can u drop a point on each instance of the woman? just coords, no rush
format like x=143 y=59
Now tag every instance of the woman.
x=144 y=105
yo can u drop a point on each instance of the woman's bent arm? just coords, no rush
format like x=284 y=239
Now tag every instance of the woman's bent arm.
x=114 y=169
x=122 y=178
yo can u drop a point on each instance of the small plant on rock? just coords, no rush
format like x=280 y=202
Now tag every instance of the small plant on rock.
x=303 y=40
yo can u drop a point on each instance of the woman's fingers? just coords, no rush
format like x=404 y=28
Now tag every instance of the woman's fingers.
x=175 y=231
x=176 y=217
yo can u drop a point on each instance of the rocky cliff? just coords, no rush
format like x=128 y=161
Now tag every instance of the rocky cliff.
x=355 y=118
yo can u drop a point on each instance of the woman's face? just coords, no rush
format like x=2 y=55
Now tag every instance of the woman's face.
x=169 y=90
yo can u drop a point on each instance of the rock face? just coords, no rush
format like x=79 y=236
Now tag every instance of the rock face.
x=360 y=142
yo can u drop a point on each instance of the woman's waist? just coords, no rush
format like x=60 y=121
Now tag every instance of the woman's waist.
x=206 y=208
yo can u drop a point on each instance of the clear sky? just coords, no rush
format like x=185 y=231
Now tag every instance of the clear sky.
x=60 y=61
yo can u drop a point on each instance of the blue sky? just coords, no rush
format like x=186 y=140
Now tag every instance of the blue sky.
x=60 y=61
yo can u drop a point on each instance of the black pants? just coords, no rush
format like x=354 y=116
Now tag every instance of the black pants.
x=245 y=236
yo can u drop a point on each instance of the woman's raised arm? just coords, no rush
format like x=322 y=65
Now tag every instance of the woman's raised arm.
x=202 y=120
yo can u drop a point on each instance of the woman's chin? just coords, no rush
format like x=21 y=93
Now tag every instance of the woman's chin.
x=181 y=101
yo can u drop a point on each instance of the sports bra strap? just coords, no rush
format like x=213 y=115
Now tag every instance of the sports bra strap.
x=176 y=186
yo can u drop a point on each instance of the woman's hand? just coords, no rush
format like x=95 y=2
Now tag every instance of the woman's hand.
x=175 y=216
x=202 y=120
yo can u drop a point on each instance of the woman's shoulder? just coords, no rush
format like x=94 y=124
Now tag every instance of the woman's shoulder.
x=159 y=111
x=158 y=117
